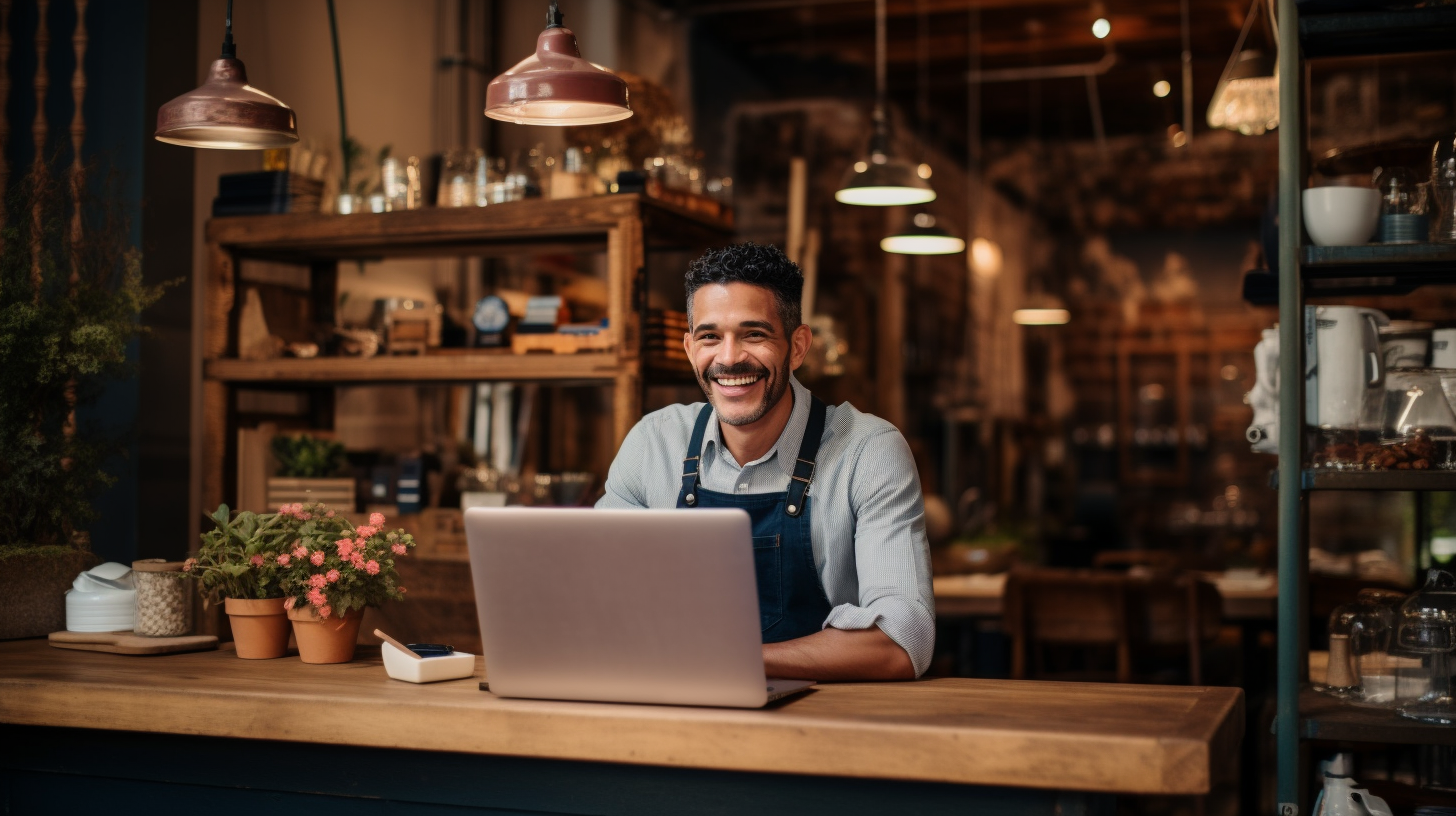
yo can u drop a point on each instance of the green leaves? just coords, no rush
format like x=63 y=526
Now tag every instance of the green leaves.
x=308 y=457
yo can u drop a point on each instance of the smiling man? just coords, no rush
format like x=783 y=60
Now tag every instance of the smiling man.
x=838 y=523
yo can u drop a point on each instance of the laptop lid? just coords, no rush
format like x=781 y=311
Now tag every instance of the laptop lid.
x=638 y=606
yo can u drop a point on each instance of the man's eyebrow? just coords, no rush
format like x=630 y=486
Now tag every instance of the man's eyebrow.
x=747 y=324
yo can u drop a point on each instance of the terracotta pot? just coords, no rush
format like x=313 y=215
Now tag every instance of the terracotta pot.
x=328 y=640
x=260 y=627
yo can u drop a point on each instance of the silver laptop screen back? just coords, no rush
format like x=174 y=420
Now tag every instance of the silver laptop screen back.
x=643 y=606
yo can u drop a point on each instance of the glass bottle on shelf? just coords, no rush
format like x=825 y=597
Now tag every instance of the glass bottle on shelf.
x=1359 y=667
x=1443 y=190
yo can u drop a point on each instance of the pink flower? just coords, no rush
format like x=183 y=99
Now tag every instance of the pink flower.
x=332 y=576
x=300 y=552
x=305 y=516
x=376 y=519
x=316 y=597
x=325 y=611
x=316 y=581
x=372 y=567
x=402 y=590
x=283 y=559
x=256 y=560
x=364 y=531
x=288 y=604
x=296 y=508
x=283 y=509
x=346 y=548
x=329 y=514
x=357 y=559
x=189 y=564
x=399 y=549
x=361 y=543
x=317 y=558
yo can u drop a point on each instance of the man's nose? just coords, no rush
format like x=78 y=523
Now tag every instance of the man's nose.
x=731 y=351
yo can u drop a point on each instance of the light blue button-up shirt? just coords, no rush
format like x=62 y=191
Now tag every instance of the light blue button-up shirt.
x=867 y=518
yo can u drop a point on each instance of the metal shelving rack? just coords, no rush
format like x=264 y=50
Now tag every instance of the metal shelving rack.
x=1332 y=271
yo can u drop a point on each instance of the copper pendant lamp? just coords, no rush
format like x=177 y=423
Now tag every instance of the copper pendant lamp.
x=882 y=180
x=226 y=112
x=555 y=86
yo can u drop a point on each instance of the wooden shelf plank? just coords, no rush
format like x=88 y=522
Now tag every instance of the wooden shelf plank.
x=1369 y=33
x=578 y=224
x=476 y=367
x=1327 y=719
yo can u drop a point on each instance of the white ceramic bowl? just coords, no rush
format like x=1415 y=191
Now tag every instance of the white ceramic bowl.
x=401 y=666
x=1341 y=216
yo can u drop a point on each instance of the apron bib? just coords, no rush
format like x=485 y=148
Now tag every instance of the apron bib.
x=791 y=599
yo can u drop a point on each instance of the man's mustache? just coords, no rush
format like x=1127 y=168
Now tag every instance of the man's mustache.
x=743 y=369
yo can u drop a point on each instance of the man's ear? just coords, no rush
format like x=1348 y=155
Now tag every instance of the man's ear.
x=799 y=341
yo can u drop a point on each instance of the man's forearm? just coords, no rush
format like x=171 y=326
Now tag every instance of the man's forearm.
x=837 y=654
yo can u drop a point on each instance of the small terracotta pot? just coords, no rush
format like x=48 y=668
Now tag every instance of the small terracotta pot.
x=260 y=627
x=323 y=640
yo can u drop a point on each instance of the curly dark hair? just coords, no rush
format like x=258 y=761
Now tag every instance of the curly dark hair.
x=762 y=265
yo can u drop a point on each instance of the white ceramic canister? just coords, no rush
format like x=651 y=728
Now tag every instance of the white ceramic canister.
x=163 y=598
x=1443 y=348
x=1405 y=343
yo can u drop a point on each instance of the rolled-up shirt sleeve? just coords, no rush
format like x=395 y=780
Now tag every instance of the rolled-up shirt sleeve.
x=892 y=556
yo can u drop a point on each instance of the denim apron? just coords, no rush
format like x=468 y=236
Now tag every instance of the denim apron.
x=791 y=599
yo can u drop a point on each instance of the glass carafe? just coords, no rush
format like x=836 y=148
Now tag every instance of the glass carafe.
x=1359 y=665
x=1426 y=628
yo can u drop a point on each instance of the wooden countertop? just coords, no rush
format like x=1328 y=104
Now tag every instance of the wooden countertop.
x=979 y=596
x=1069 y=736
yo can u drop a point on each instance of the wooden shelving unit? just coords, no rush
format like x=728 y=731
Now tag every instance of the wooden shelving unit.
x=624 y=227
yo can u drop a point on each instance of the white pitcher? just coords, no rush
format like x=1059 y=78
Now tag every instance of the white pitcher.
x=1343 y=367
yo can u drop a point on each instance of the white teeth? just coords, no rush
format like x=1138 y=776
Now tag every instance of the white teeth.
x=737 y=380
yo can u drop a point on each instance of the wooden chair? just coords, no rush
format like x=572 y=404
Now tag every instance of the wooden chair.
x=1127 y=559
x=1091 y=610
x=1086 y=610
x=1184 y=615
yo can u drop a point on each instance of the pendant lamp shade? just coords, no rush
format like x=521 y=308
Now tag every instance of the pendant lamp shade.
x=555 y=86
x=923 y=237
x=227 y=113
x=1042 y=309
x=883 y=181
x=1246 y=99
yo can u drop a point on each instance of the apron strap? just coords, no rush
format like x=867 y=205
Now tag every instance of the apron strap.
x=808 y=453
x=803 y=466
x=689 y=494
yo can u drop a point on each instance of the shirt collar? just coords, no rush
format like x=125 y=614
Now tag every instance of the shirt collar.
x=787 y=448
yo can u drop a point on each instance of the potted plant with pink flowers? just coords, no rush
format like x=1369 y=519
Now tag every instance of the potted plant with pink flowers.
x=236 y=565
x=330 y=572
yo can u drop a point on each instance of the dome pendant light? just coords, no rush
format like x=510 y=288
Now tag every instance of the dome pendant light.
x=555 y=86
x=882 y=180
x=226 y=112
x=923 y=238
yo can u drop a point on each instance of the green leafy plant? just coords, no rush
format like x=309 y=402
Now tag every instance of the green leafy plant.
x=334 y=567
x=238 y=558
x=308 y=457
x=71 y=294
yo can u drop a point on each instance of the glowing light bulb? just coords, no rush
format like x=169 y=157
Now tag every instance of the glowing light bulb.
x=1101 y=28
x=1161 y=88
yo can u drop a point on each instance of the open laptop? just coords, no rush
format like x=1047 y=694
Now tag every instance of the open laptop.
x=630 y=606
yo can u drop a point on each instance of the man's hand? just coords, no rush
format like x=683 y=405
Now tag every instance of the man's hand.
x=837 y=654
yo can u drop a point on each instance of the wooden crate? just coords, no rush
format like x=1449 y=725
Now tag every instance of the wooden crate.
x=336 y=493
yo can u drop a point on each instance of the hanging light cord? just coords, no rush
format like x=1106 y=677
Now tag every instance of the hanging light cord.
x=229 y=51
x=1239 y=46
x=553 y=16
x=339 y=86
x=879 y=115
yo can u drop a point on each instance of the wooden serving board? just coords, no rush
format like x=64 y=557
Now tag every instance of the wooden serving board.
x=131 y=644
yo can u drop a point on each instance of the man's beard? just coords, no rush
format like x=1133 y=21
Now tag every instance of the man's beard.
x=775 y=383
